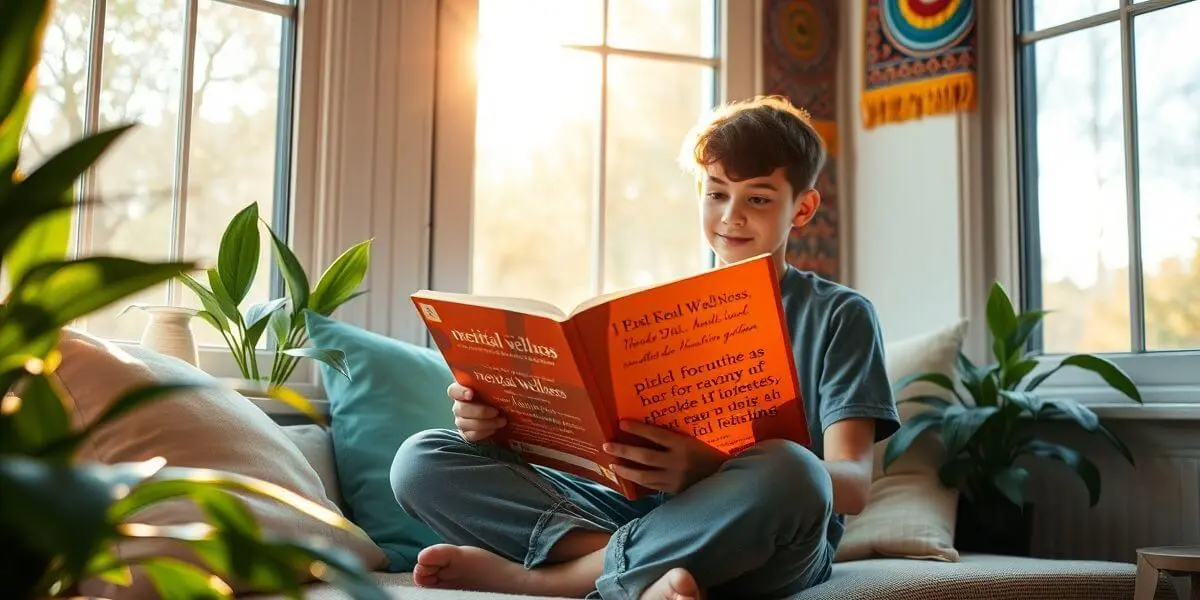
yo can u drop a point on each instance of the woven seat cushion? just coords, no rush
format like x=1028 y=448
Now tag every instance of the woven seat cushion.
x=986 y=577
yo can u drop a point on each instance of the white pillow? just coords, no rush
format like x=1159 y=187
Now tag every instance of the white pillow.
x=909 y=513
x=213 y=428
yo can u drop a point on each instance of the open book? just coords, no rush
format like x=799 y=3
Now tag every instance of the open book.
x=708 y=356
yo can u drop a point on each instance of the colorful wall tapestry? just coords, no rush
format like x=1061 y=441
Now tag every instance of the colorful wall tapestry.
x=920 y=59
x=799 y=61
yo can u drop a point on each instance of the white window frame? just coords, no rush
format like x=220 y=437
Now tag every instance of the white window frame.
x=215 y=360
x=990 y=230
x=737 y=70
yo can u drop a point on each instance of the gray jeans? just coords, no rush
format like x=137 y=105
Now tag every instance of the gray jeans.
x=756 y=528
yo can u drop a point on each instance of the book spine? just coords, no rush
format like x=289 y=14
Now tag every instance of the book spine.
x=791 y=353
x=603 y=405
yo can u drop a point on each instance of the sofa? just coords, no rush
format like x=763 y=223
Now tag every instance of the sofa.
x=973 y=576
x=900 y=546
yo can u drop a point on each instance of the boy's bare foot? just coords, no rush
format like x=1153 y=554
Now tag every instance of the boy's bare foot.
x=468 y=568
x=676 y=584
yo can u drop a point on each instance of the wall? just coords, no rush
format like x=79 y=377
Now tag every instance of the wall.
x=904 y=228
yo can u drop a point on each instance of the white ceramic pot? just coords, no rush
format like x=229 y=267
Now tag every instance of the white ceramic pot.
x=169 y=332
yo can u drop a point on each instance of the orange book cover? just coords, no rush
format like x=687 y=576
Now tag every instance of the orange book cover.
x=707 y=355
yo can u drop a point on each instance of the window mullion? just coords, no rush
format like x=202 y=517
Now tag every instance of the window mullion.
x=91 y=124
x=183 y=142
x=1137 y=301
x=600 y=211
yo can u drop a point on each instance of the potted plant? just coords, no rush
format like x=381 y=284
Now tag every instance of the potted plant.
x=61 y=520
x=281 y=319
x=987 y=428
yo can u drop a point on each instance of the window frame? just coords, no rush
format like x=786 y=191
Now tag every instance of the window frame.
x=736 y=64
x=290 y=214
x=996 y=161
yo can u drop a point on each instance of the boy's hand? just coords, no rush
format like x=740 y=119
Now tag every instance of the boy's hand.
x=683 y=461
x=475 y=421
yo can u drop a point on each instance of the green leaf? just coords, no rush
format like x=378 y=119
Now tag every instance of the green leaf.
x=224 y=301
x=62 y=509
x=292 y=398
x=341 y=279
x=1111 y=373
x=1082 y=466
x=907 y=434
x=335 y=566
x=258 y=317
x=45 y=239
x=175 y=579
x=237 y=258
x=11 y=126
x=969 y=374
x=1001 y=318
x=1017 y=371
x=184 y=481
x=20 y=215
x=1038 y=379
x=959 y=424
x=293 y=275
x=938 y=379
x=988 y=391
x=123 y=405
x=40 y=418
x=1116 y=442
x=940 y=404
x=1076 y=411
x=955 y=470
x=23 y=24
x=263 y=310
x=53 y=294
x=216 y=316
x=1027 y=323
x=1011 y=483
x=335 y=359
x=220 y=324
x=280 y=325
x=55 y=177
x=107 y=566
x=1029 y=401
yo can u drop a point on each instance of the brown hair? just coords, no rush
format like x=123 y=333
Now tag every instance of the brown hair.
x=754 y=137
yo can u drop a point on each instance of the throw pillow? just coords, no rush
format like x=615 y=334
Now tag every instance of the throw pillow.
x=211 y=427
x=395 y=389
x=909 y=513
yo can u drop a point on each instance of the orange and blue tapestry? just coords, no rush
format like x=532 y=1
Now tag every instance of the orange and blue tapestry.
x=920 y=59
x=799 y=62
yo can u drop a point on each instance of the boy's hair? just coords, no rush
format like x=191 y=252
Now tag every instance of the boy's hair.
x=754 y=137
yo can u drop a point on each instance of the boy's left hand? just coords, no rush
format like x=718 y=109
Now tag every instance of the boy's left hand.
x=682 y=462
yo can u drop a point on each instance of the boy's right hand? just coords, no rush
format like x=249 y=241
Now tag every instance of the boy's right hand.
x=474 y=420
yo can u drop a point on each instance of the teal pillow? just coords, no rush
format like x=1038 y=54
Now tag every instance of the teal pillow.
x=396 y=389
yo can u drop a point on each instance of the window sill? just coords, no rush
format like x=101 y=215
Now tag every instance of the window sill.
x=1159 y=402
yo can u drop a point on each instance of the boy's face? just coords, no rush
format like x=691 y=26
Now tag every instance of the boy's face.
x=754 y=216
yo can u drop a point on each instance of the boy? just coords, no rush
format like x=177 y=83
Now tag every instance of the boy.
x=764 y=523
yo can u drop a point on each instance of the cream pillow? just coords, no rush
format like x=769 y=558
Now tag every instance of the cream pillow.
x=212 y=428
x=909 y=513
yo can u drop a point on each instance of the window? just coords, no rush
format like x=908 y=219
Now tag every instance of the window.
x=208 y=83
x=581 y=110
x=1109 y=140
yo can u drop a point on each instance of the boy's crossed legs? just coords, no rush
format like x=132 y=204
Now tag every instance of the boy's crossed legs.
x=755 y=528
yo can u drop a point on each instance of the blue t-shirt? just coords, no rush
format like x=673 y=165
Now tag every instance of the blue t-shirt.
x=839 y=356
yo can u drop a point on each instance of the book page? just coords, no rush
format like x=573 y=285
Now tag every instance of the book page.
x=709 y=357
x=524 y=366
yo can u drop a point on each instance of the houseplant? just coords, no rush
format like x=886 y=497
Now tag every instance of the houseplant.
x=61 y=520
x=282 y=319
x=986 y=431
